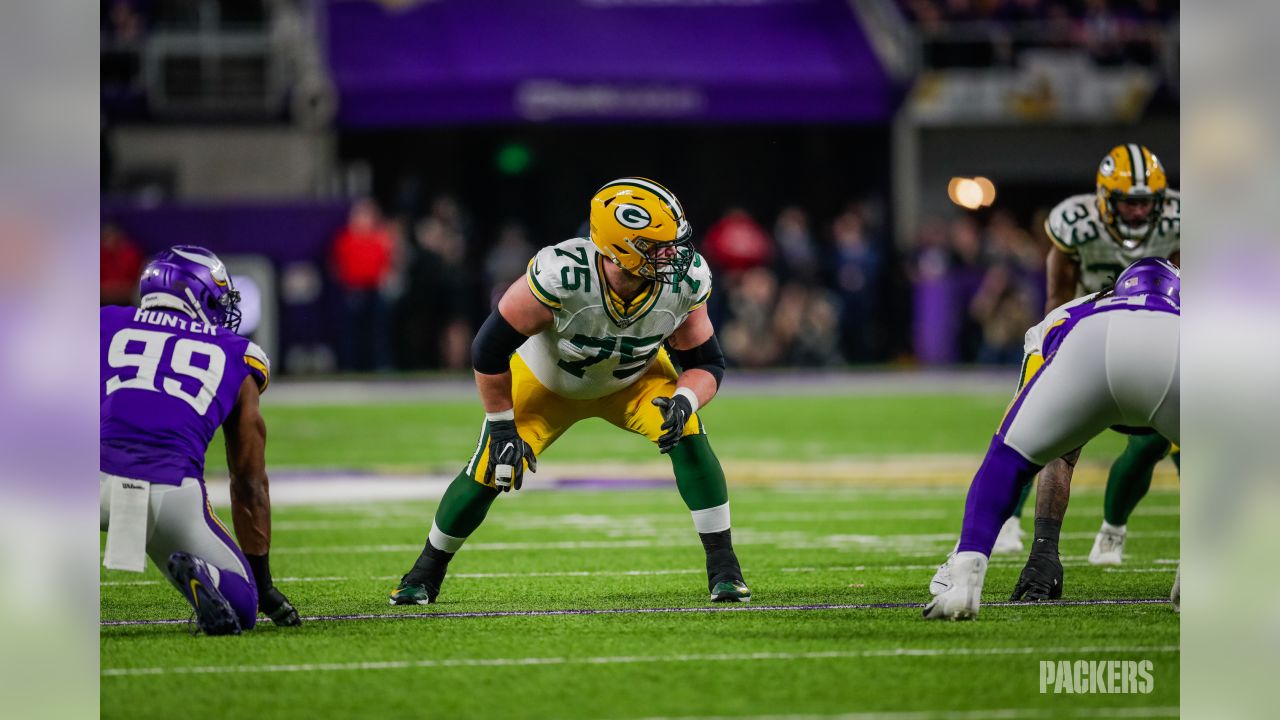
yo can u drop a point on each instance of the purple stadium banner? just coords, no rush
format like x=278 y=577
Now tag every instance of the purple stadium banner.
x=467 y=61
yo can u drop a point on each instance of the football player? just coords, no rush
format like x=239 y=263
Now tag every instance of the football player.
x=1133 y=215
x=590 y=331
x=1110 y=360
x=174 y=371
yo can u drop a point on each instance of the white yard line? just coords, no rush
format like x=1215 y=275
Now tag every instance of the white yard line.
x=578 y=521
x=460 y=576
x=1011 y=562
x=789 y=540
x=632 y=659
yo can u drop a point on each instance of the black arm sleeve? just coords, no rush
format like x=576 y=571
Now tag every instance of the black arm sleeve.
x=492 y=348
x=707 y=356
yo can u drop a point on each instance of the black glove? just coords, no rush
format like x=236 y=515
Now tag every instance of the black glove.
x=1041 y=579
x=508 y=454
x=676 y=411
x=276 y=606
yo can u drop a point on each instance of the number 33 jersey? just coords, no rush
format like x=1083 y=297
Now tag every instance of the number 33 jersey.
x=1076 y=228
x=596 y=344
x=167 y=383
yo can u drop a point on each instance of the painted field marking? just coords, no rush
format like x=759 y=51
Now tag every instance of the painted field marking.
x=429 y=615
x=640 y=573
x=997 y=714
x=630 y=659
x=789 y=540
x=579 y=521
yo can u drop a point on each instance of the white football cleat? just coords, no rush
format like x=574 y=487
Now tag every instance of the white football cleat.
x=1010 y=538
x=1108 y=546
x=942 y=578
x=960 y=601
x=1175 y=595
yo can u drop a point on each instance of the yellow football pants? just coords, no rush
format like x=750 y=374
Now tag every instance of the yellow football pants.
x=543 y=416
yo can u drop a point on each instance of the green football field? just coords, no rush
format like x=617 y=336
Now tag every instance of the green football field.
x=590 y=602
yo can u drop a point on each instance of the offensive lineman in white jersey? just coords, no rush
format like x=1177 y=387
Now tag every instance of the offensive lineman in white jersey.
x=1132 y=215
x=586 y=333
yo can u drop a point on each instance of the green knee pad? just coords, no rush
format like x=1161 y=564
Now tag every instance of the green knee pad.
x=698 y=473
x=464 y=506
x=1130 y=476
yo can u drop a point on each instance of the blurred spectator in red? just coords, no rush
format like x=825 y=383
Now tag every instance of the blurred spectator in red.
x=363 y=258
x=736 y=243
x=120 y=266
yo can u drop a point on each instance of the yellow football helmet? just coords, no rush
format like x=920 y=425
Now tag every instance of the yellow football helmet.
x=1130 y=172
x=640 y=226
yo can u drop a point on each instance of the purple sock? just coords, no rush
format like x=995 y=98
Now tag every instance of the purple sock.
x=993 y=495
x=242 y=596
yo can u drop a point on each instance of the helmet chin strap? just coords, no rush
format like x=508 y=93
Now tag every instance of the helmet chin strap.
x=196 y=304
x=168 y=302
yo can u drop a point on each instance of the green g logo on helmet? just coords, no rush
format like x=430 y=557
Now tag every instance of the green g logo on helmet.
x=631 y=216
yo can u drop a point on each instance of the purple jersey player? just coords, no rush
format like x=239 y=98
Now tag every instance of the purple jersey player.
x=173 y=372
x=1110 y=360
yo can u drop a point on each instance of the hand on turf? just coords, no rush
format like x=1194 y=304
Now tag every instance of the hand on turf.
x=508 y=455
x=676 y=411
x=276 y=606
x=1041 y=579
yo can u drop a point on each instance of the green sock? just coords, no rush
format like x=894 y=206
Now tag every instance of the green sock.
x=1130 y=476
x=698 y=474
x=1022 y=497
x=464 y=506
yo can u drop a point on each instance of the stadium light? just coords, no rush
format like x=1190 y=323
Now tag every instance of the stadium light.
x=971 y=193
x=988 y=190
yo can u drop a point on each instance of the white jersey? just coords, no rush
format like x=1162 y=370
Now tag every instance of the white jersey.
x=1075 y=226
x=592 y=349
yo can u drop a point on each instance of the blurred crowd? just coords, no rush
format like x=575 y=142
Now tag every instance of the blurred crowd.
x=794 y=292
x=981 y=33
x=977 y=285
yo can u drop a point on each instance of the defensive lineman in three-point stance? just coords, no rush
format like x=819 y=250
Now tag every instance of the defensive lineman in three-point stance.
x=1133 y=214
x=173 y=371
x=1110 y=360
x=585 y=334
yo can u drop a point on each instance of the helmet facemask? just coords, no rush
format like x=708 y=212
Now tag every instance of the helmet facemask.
x=1127 y=234
x=666 y=262
x=229 y=309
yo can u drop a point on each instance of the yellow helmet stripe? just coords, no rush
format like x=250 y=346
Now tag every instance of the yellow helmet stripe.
x=1139 y=168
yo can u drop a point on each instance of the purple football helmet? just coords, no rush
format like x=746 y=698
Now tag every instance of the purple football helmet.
x=1151 y=276
x=193 y=280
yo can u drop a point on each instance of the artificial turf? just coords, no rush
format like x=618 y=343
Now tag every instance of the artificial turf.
x=634 y=551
